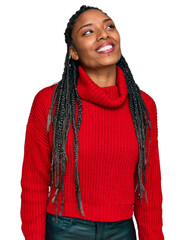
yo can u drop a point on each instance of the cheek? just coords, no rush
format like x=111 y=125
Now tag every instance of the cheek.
x=86 y=48
x=116 y=36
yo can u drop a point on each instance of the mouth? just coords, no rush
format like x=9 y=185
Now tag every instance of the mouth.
x=105 y=48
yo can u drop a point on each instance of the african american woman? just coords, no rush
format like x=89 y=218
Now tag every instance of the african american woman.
x=91 y=156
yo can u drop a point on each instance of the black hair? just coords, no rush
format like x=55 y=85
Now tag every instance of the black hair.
x=64 y=98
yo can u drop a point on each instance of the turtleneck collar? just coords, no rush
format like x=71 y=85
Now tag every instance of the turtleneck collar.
x=112 y=96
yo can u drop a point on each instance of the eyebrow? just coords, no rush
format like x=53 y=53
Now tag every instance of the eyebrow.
x=89 y=24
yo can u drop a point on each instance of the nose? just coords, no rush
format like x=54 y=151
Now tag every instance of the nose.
x=102 y=35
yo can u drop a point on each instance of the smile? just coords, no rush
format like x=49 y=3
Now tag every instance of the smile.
x=106 y=49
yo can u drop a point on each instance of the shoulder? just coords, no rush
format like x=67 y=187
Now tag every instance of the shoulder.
x=44 y=96
x=37 y=120
x=152 y=109
x=147 y=98
x=41 y=104
x=149 y=101
x=45 y=93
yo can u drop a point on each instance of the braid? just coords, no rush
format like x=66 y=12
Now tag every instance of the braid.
x=138 y=112
x=64 y=98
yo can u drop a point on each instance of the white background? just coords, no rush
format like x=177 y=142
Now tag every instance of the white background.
x=32 y=53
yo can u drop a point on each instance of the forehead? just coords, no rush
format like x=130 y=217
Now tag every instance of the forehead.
x=89 y=16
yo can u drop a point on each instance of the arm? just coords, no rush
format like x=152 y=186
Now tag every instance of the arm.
x=35 y=172
x=149 y=216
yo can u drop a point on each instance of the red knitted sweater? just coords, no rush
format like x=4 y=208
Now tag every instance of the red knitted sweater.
x=108 y=156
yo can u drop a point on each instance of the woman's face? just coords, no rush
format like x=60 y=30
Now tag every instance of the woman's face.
x=100 y=29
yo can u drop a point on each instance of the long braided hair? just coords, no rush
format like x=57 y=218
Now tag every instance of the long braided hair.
x=64 y=98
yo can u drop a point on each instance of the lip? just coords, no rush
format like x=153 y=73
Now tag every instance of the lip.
x=106 y=51
x=105 y=44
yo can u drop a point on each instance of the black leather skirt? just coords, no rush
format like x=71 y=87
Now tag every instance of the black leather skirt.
x=80 y=229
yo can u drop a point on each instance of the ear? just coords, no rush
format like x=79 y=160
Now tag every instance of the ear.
x=73 y=53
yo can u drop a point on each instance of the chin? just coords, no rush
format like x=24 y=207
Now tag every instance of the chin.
x=109 y=61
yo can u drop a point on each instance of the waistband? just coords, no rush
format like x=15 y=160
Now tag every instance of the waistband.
x=52 y=217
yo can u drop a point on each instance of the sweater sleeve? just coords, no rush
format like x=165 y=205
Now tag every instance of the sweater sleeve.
x=149 y=216
x=35 y=172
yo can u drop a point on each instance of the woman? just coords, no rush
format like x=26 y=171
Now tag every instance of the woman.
x=102 y=158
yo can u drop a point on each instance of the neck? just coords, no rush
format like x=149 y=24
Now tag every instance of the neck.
x=103 y=77
x=111 y=96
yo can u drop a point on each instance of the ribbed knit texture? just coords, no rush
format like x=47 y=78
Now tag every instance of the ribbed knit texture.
x=108 y=156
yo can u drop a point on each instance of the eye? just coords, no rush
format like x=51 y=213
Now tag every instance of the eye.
x=111 y=25
x=86 y=32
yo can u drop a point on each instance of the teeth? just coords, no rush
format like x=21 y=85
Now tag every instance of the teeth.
x=104 y=48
